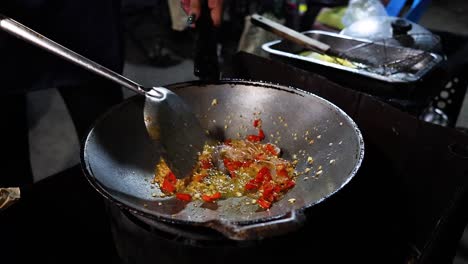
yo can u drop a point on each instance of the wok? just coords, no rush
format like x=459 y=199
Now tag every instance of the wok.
x=120 y=164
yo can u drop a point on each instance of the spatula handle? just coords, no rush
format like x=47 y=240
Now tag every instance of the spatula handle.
x=22 y=32
x=289 y=34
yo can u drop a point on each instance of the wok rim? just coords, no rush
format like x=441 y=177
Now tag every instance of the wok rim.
x=87 y=171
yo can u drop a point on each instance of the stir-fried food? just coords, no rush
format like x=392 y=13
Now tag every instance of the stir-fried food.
x=234 y=168
x=327 y=58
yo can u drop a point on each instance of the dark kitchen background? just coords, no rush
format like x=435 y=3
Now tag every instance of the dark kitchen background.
x=156 y=54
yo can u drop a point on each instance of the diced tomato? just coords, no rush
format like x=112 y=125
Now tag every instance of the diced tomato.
x=206 y=164
x=228 y=142
x=169 y=182
x=211 y=198
x=257 y=123
x=184 y=197
x=264 y=204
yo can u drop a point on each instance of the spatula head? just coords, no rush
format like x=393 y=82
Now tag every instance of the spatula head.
x=174 y=129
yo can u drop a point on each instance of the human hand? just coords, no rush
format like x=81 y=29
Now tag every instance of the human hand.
x=194 y=7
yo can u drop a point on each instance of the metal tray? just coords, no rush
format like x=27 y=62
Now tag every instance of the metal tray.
x=290 y=51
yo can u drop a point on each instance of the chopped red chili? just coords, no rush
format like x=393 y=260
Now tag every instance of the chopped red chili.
x=281 y=171
x=257 y=123
x=271 y=149
x=247 y=163
x=251 y=185
x=232 y=165
x=169 y=182
x=253 y=138
x=257 y=138
x=268 y=190
x=263 y=175
x=206 y=164
x=264 y=204
x=184 y=197
x=261 y=135
x=289 y=185
x=211 y=198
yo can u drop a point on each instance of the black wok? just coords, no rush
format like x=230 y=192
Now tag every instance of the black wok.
x=119 y=162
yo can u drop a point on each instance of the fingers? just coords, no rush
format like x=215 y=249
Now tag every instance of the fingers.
x=185 y=6
x=216 y=9
x=215 y=6
x=195 y=8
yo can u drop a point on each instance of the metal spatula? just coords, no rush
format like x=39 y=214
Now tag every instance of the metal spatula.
x=374 y=57
x=168 y=120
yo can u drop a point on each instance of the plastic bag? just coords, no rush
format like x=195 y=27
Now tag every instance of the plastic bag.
x=360 y=9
